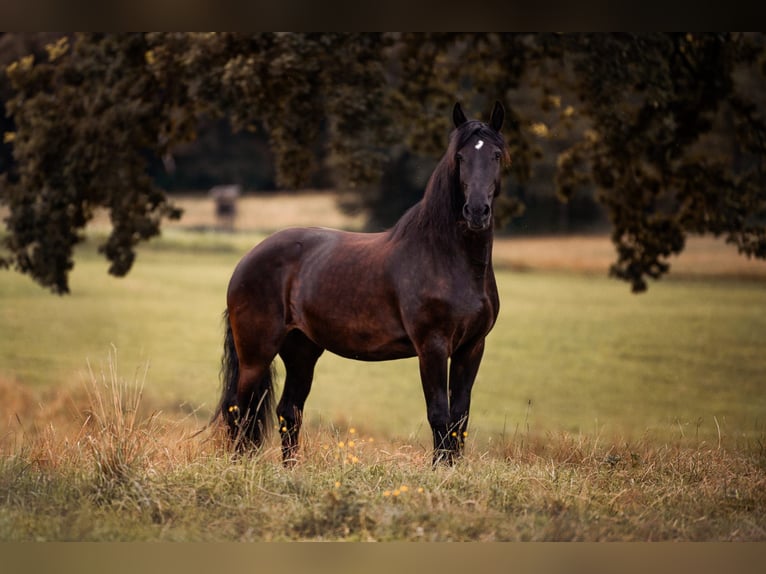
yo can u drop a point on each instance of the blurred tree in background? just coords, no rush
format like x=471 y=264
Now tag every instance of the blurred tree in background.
x=663 y=134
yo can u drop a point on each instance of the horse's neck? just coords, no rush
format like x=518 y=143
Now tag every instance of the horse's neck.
x=477 y=248
x=437 y=226
x=441 y=228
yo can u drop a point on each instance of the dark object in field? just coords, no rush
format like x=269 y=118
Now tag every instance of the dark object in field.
x=225 y=197
x=423 y=288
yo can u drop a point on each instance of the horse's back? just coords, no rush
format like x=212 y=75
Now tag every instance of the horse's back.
x=330 y=284
x=278 y=253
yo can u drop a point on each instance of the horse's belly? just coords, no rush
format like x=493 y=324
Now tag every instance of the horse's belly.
x=391 y=350
x=356 y=334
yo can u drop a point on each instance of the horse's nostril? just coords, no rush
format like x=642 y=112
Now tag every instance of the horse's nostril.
x=476 y=212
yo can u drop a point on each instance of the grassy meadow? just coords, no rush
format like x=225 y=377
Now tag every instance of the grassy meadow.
x=597 y=414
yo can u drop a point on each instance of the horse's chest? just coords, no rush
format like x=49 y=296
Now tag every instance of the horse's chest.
x=473 y=311
x=456 y=311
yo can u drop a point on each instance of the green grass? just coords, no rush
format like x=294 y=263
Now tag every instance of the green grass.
x=166 y=312
x=597 y=415
x=569 y=352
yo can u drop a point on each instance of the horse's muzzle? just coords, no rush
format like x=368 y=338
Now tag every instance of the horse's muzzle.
x=478 y=218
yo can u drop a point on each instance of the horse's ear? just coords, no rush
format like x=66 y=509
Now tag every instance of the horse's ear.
x=458 y=116
x=497 y=117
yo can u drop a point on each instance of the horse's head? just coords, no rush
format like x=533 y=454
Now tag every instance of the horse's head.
x=479 y=156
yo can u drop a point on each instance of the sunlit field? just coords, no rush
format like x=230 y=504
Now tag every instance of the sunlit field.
x=645 y=411
x=570 y=351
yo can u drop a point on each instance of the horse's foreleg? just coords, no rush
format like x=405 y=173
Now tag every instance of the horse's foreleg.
x=433 y=375
x=463 y=369
x=300 y=356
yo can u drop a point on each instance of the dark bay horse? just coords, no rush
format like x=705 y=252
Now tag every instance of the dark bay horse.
x=423 y=288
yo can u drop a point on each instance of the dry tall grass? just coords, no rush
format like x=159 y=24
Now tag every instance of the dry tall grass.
x=99 y=463
x=703 y=256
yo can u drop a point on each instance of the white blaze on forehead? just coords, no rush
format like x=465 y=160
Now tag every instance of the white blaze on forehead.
x=479 y=144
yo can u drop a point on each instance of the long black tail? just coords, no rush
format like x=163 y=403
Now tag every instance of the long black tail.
x=248 y=423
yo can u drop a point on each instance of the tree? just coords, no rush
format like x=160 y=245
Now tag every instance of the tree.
x=677 y=143
x=86 y=120
x=90 y=116
x=668 y=128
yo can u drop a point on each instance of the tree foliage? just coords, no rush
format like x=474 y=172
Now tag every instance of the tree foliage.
x=86 y=120
x=677 y=143
x=668 y=128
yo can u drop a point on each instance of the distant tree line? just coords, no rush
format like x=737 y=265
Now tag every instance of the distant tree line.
x=663 y=133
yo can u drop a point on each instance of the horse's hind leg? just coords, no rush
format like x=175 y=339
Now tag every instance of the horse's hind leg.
x=300 y=355
x=250 y=412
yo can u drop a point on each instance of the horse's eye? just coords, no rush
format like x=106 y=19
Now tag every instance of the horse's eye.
x=498 y=155
x=459 y=158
